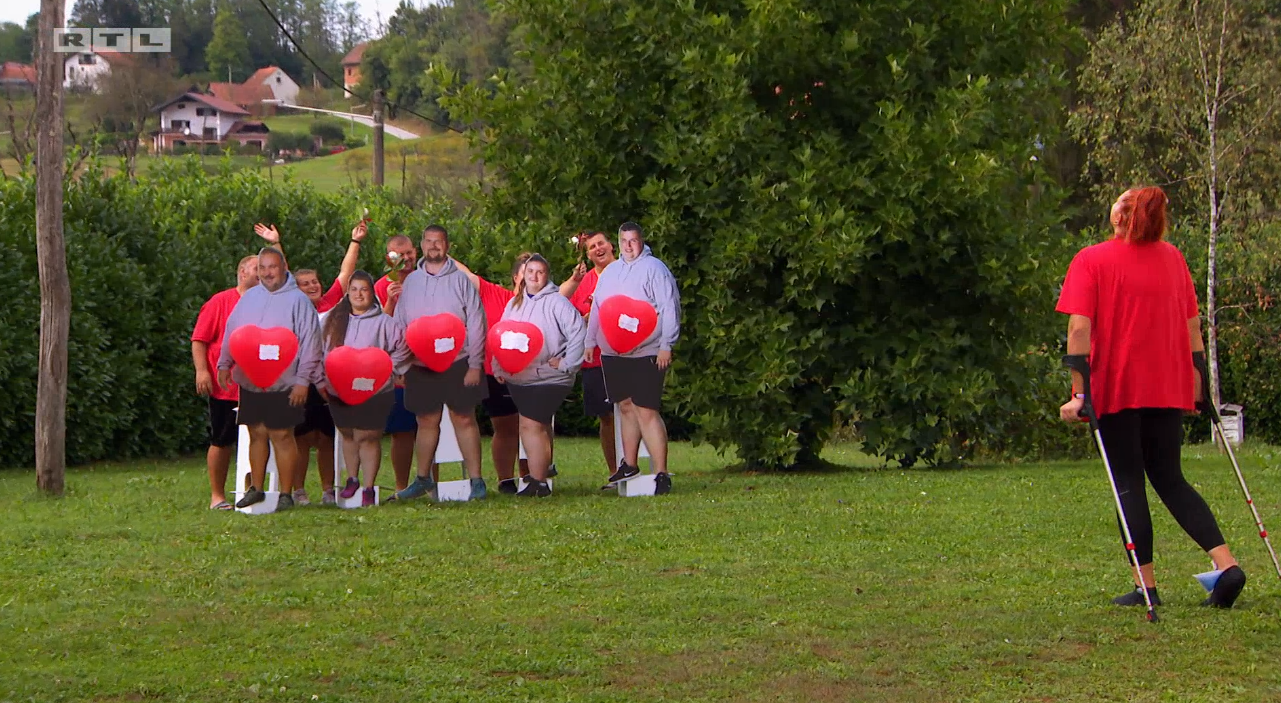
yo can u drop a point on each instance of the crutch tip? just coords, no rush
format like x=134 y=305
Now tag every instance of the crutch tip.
x=1152 y=616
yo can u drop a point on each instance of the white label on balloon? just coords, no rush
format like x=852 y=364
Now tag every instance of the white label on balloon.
x=515 y=340
x=269 y=352
x=444 y=344
x=362 y=384
x=628 y=323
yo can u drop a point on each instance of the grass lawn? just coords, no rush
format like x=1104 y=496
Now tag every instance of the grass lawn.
x=300 y=123
x=861 y=584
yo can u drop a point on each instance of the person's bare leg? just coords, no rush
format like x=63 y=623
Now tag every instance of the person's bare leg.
x=505 y=447
x=303 y=443
x=467 y=430
x=654 y=432
x=1222 y=557
x=534 y=436
x=631 y=432
x=259 y=453
x=371 y=454
x=402 y=456
x=324 y=460
x=427 y=440
x=286 y=457
x=218 y=461
x=607 y=443
x=351 y=451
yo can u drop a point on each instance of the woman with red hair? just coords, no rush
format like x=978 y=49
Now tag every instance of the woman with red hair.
x=1133 y=313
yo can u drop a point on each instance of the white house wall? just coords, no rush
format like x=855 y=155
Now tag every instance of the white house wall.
x=219 y=121
x=286 y=91
x=75 y=75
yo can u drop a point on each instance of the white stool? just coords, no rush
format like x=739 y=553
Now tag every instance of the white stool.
x=448 y=452
x=244 y=476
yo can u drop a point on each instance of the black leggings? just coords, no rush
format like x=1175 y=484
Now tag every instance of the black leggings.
x=1150 y=439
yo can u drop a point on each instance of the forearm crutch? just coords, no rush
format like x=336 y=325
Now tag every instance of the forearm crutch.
x=1081 y=364
x=1207 y=407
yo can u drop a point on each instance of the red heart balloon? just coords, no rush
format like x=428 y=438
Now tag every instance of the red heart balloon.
x=355 y=375
x=263 y=354
x=626 y=322
x=514 y=344
x=436 y=340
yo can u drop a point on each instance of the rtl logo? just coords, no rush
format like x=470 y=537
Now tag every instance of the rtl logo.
x=70 y=40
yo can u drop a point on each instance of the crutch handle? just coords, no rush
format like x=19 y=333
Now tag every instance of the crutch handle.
x=1080 y=363
x=1204 y=404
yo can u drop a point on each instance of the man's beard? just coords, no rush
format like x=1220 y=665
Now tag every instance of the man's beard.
x=434 y=259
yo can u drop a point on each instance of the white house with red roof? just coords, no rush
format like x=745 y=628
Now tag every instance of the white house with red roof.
x=198 y=119
x=84 y=70
x=270 y=83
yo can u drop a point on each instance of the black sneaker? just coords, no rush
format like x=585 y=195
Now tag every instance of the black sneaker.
x=551 y=471
x=662 y=483
x=1226 y=589
x=535 y=489
x=508 y=486
x=624 y=472
x=251 y=497
x=285 y=502
x=1135 y=597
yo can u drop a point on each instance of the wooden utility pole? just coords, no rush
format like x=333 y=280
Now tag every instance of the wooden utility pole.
x=378 y=137
x=51 y=256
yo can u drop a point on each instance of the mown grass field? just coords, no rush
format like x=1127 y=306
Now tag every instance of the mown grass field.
x=855 y=584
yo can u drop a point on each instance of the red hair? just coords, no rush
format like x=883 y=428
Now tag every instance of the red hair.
x=1147 y=217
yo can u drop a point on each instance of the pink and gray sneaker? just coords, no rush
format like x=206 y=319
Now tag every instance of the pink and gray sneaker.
x=350 y=489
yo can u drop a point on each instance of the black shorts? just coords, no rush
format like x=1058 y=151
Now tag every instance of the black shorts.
x=499 y=401
x=369 y=415
x=427 y=392
x=636 y=378
x=595 y=399
x=315 y=415
x=271 y=410
x=539 y=403
x=223 y=430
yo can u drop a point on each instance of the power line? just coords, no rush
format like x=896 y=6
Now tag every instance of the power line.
x=335 y=83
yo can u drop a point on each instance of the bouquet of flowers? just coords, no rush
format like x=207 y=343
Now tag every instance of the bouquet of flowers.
x=395 y=264
x=579 y=243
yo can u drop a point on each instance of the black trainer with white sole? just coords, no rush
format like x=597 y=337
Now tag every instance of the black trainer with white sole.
x=1226 y=588
x=623 y=473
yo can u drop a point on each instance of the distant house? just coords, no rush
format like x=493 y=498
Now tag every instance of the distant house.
x=351 y=68
x=266 y=84
x=84 y=70
x=198 y=119
x=17 y=76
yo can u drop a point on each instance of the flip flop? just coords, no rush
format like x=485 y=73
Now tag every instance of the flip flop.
x=224 y=505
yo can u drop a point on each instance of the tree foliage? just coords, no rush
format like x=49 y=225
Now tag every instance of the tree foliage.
x=228 y=51
x=848 y=192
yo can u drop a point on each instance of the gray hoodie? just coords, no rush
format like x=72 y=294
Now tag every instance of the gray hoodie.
x=423 y=294
x=377 y=329
x=563 y=333
x=646 y=279
x=286 y=307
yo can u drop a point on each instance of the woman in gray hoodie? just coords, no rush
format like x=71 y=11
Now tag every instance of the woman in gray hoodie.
x=359 y=322
x=540 y=388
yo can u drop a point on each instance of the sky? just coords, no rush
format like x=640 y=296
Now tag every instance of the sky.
x=17 y=11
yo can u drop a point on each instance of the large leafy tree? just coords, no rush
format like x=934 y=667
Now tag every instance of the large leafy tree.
x=849 y=193
x=1183 y=93
x=228 y=51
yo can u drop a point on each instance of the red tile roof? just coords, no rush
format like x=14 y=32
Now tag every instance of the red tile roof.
x=12 y=71
x=242 y=94
x=260 y=76
x=356 y=54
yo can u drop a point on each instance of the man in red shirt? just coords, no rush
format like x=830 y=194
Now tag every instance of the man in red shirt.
x=580 y=288
x=401 y=424
x=206 y=344
x=317 y=429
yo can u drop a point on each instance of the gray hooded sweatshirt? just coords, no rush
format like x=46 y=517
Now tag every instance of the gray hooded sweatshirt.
x=423 y=294
x=377 y=329
x=646 y=279
x=285 y=307
x=563 y=333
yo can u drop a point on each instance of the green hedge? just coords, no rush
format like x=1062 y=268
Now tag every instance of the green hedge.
x=144 y=256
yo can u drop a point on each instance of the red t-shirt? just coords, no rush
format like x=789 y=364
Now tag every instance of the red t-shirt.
x=582 y=300
x=332 y=297
x=494 y=298
x=1139 y=298
x=380 y=290
x=210 y=326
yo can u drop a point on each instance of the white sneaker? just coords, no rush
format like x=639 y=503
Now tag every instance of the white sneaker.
x=300 y=497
